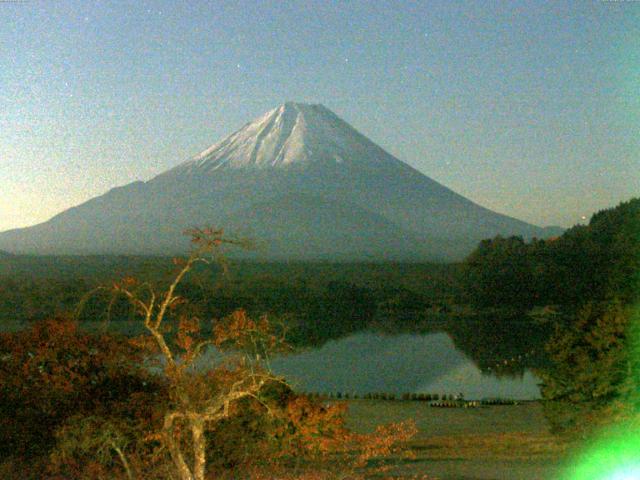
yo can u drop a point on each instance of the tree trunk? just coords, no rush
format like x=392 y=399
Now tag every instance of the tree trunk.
x=199 y=447
x=174 y=450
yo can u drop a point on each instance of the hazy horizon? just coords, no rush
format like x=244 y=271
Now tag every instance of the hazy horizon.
x=530 y=110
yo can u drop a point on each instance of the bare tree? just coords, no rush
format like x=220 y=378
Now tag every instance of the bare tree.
x=200 y=397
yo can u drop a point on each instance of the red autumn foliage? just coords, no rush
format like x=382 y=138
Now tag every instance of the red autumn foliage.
x=88 y=406
x=53 y=371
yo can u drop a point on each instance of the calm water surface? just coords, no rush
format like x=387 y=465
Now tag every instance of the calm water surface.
x=371 y=362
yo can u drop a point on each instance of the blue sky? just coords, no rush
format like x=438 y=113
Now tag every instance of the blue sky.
x=529 y=108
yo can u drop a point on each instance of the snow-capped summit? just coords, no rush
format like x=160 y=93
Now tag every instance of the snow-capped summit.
x=292 y=134
x=301 y=180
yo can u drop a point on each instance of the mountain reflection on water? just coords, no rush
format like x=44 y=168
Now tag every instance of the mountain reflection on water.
x=368 y=362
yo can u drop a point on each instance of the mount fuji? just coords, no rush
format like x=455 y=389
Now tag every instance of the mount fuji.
x=301 y=181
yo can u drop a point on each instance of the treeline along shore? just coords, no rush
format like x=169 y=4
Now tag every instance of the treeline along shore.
x=78 y=399
x=314 y=301
x=503 y=306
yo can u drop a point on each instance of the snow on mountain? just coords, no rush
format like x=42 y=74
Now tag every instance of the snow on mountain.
x=293 y=134
x=298 y=177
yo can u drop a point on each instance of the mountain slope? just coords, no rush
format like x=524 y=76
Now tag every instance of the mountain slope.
x=301 y=179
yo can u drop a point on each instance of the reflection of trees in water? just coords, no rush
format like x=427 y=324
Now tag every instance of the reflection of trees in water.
x=501 y=343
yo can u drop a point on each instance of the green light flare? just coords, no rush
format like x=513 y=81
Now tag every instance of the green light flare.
x=615 y=456
x=614 y=453
x=630 y=473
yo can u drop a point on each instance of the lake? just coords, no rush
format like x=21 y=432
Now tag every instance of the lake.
x=369 y=362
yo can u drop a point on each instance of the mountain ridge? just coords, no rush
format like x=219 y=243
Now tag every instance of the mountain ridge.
x=297 y=158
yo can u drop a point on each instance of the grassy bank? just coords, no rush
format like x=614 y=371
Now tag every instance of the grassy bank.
x=501 y=442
